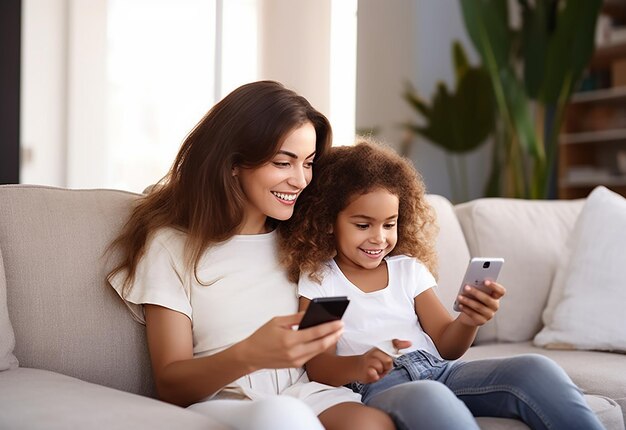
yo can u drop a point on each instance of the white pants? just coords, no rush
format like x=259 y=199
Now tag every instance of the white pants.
x=270 y=413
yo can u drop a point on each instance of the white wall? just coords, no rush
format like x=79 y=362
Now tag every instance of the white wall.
x=403 y=40
x=87 y=152
x=43 y=90
x=310 y=46
x=70 y=101
x=384 y=62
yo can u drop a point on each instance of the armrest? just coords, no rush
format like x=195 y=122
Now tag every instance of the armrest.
x=40 y=399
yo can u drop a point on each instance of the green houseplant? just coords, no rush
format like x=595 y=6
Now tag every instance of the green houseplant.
x=530 y=73
x=533 y=72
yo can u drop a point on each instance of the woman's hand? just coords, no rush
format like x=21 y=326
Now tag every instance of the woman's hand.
x=372 y=366
x=477 y=307
x=277 y=345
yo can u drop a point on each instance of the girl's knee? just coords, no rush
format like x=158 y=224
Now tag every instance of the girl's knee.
x=539 y=366
x=423 y=395
x=424 y=404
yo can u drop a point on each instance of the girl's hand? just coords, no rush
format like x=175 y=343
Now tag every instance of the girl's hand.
x=372 y=366
x=277 y=345
x=478 y=307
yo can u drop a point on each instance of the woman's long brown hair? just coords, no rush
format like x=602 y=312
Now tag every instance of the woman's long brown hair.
x=199 y=195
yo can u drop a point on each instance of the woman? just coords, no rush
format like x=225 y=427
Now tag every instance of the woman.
x=199 y=268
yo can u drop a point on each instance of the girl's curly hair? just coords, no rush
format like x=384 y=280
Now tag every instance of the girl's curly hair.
x=305 y=240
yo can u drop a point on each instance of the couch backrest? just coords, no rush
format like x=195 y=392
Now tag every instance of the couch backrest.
x=531 y=236
x=7 y=337
x=65 y=317
x=452 y=251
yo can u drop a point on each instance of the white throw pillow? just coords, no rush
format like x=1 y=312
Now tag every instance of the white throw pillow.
x=586 y=305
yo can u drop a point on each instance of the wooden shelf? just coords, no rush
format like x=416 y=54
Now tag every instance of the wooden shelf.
x=615 y=8
x=605 y=95
x=608 y=181
x=593 y=137
x=605 y=55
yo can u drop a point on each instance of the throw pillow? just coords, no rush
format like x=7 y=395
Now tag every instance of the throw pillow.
x=586 y=305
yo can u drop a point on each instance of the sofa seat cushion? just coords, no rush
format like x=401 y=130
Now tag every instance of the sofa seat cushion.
x=601 y=375
x=40 y=399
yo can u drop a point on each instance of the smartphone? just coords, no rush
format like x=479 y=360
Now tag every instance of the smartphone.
x=324 y=309
x=478 y=271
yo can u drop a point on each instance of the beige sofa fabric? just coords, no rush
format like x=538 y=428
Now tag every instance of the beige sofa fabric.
x=531 y=236
x=69 y=320
x=53 y=401
x=452 y=251
x=7 y=338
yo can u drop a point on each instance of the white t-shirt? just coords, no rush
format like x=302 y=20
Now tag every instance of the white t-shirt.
x=374 y=319
x=247 y=287
x=233 y=306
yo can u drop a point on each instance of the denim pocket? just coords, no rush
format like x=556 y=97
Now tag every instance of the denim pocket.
x=422 y=365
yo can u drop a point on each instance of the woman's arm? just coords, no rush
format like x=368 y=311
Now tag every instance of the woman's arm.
x=183 y=380
x=453 y=337
x=332 y=369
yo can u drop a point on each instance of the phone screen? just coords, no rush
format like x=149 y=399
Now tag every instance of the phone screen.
x=324 y=309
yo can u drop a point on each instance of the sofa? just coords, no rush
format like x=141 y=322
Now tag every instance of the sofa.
x=71 y=356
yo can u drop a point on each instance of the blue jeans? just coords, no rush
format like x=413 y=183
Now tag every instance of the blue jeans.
x=423 y=391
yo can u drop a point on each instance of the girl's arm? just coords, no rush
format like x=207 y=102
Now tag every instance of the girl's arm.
x=453 y=337
x=331 y=369
x=183 y=380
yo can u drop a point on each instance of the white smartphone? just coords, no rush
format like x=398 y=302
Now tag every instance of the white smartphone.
x=478 y=271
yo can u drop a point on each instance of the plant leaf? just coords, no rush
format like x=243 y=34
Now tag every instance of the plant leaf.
x=570 y=48
x=459 y=59
x=535 y=35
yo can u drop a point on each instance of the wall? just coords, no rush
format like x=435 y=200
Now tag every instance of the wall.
x=43 y=92
x=410 y=40
x=310 y=46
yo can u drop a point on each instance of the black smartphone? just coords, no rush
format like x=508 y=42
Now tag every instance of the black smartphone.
x=324 y=309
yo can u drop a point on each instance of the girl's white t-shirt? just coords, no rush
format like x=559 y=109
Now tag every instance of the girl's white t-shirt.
x=375 y=319
x=245 y=287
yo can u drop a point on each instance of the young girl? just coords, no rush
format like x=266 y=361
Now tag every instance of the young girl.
x=363 y=229
x=198 y=267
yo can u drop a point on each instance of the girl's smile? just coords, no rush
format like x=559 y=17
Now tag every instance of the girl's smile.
x=366 y=230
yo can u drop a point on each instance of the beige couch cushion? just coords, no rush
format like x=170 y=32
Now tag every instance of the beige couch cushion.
x=590 y=285
x=7 y=338
x=531 y=236
x=65 y=317
x=451 y=249
x=47 y=400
